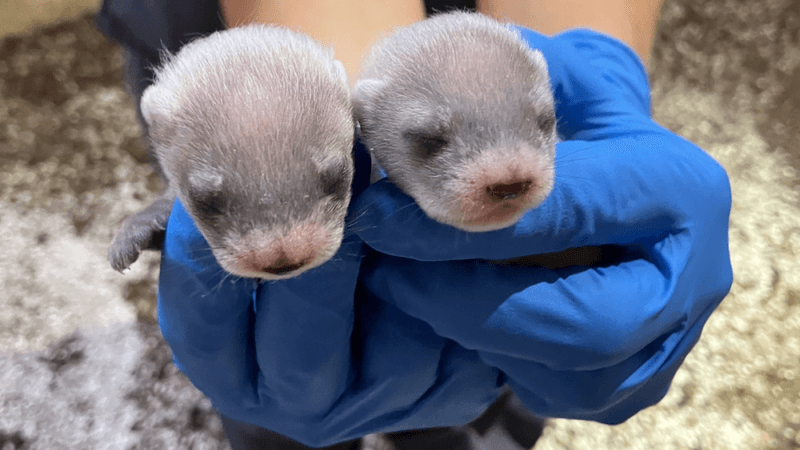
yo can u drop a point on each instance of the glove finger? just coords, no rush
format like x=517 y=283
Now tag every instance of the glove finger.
x=609 y=395
x=621 y=191
x=567 y=319
x=564 y=319
x=207 y=315
x=302 y=331
x=304 y=325
x=600 y=85
x=204 y=315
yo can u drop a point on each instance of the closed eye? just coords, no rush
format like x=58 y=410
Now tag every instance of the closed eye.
x=546 y=122
x=207 y=194
x=334 y=181
x=208 y=203
x=426 y=144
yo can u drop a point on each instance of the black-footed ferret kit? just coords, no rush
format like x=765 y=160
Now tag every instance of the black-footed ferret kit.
x=458 y=111
x=252 y=128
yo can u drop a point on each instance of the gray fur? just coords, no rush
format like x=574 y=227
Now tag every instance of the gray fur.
x=141 y=231
x=462 y=85
x=253 y=129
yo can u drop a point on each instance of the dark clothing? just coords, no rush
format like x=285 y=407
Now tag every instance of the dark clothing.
x=506 y=425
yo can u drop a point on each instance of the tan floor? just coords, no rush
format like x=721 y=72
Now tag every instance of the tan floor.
x=20 y=16
x=725 y=74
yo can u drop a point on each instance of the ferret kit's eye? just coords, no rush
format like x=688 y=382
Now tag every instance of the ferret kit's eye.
x=334 y=181
x=546 y=122
x=211 y=204
x=207 y=196
x=425 y=143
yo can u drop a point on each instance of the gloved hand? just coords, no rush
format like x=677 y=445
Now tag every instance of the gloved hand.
x=595 y=343
x=424 y=342
x=300 y=356
x=246 y=345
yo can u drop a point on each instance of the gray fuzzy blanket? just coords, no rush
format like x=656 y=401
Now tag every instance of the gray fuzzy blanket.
x=83 y=366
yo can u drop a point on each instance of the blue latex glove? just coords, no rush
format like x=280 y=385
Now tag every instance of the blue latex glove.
x=300 y=356
x=587 y=343
x=335 y=354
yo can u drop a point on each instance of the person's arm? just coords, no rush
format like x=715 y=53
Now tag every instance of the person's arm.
x=631 y=21
x=349 y=26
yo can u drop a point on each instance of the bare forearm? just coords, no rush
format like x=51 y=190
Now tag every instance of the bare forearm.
x=631 y=21
x=349 y=26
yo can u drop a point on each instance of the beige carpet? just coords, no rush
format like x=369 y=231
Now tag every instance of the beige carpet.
x=725 y=74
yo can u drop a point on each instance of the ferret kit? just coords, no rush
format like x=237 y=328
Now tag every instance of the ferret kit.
x=459 y=113
x=252 y=128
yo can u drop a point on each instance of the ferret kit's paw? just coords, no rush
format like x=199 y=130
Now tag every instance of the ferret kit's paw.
x=141 y=231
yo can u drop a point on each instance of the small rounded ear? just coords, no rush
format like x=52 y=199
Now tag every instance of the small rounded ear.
x=542 y=92
x=365 y=92
x=340 y=71
x=157 y=106
x=537 y=58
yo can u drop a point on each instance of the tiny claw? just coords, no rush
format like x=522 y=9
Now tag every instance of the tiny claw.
x=142 y=231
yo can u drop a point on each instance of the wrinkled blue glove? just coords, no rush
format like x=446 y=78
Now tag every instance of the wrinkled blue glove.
x=410 y=338
x=585 y=343
x=316 y=357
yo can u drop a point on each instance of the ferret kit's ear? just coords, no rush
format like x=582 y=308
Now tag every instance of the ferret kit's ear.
x=157 y=106
x=365 y=92
x=341 y=72
x=537 y=58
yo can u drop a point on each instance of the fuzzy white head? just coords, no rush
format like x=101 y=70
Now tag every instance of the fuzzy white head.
x=253 y=128
x=459 y=113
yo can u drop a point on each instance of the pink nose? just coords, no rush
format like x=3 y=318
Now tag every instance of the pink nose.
x=281 y=255
x=502 y=192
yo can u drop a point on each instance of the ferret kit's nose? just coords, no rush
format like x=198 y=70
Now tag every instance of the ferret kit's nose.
x=283 y=266
x=285 y=254
x=507 y=191
x=284 y=259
